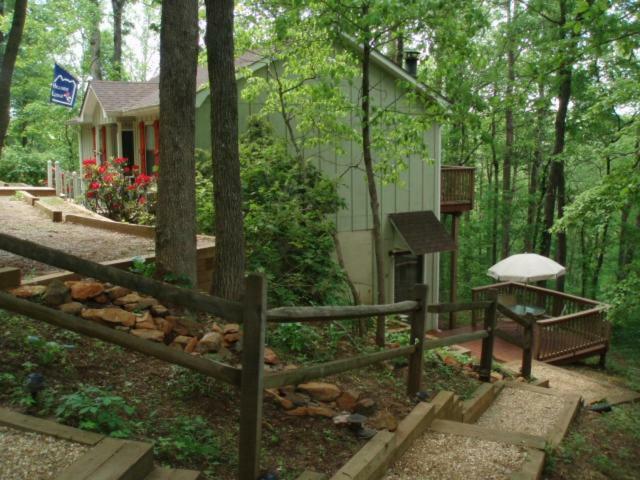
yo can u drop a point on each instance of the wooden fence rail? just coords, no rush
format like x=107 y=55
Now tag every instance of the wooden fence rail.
x=252 y=313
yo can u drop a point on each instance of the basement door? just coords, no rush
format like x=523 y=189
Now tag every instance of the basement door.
x=408 y=269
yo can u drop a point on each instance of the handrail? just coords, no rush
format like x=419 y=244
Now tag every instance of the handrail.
x=160 y=290
x=571 y=316
x=535 y=288
x=325 y=313
x=506 y=311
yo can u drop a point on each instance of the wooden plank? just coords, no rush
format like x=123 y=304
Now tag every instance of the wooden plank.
x=158 y=350
x=418 y=326
x=10 y=277
x=462 y=338
x=162 y=291
x=532 y=467
x=27 y=197
x=309 y=475
x=27 y=423
x=39 y=191
x=482 y=398
x=304 y=374
x=53 y=213
x=370 y=460
x=475 y=431
x=252 y=383
x=145 y=231
x=566 y=416
x=91 y=460
x=458 y=307
x=173 y=474
x=486 y=357
x=443 y=403
x=133 y=461
x=298 y=314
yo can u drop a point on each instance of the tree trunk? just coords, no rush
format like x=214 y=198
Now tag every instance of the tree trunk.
x=175 y=217
x=118 y=10
x=95 y=43
x=229 y=260
x=509 y=138
x=534 y=171
x=8 y=63
x=495 y=193
x=373 y=191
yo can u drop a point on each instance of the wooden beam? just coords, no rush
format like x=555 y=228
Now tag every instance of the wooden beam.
x=53 y=213
x=10 y=277
x=458 y=307
x=252 y=384
x=160 y=290
x=27 y=197
x=453 y=288
x=145 y=231
x=297 y=314
x=55 y=317
x=304 y=374
x=418 y=326
x=486 y=357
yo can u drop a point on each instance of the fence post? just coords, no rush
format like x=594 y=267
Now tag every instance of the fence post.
x=527 y=349
x=486 y=357
x=418 y=325
x=254 y=320
x=58 y=178
x=49 y=174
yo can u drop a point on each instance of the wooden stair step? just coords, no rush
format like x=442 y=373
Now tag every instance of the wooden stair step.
x=472 y=430
x=173 y=474
x=112 y=459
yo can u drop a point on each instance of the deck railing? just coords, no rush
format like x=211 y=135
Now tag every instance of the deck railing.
x=573 y=325
x=456 y=187
x=67 y=184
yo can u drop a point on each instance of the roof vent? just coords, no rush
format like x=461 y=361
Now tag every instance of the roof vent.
x=411 y=62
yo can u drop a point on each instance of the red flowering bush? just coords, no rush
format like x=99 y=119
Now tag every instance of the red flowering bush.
x=116 y=191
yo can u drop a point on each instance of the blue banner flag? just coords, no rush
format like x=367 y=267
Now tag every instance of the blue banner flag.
x=64 y=87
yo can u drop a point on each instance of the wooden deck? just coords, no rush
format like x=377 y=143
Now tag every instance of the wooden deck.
x=503 y=351
x=456 y=189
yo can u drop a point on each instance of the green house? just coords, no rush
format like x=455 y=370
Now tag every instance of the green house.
x=120 y=119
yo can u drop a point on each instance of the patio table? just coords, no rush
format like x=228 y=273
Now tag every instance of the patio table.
x=531 y=310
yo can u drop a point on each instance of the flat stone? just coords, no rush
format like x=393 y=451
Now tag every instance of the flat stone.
x=231 y=328
x=147 y=302
x=365 y=406
x=283 y=402
x=111 y=315
x=312 y=411
x=56 y=294
x=182 y=339
x=117 y=292
x=216 y=328
x=103 y=299
x=383 y=421
x=231 y=338
x=72 y=308
x=270 y=357
x=28 y=291
x=191 y=345
x=159 y=310
x=129 y=298
x=146 y=321
x=347 y=400
x=323 y=392
x=85 y=290
x=165 y=325
x=210 y=342
x=154 y=335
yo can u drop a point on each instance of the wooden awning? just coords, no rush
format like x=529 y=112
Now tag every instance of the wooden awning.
x=422 y=232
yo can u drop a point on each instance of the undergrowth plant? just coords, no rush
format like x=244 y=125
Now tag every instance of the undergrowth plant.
x=189 y=440
x=98 y=410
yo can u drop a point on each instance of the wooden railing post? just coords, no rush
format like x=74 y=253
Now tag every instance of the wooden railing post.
x=254 y=321
x=58 y=178
x=418 y=326
x=49 y=174
x=486 y=357
x=527 y=350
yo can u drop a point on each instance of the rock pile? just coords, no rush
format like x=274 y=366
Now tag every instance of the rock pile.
x=139 y=315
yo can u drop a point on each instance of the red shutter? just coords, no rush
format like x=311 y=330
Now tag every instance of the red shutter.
x=156 y=135
x=143 y=149
x=104 y=144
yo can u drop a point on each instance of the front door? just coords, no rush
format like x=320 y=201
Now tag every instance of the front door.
x=127 y=146
x=408 y=270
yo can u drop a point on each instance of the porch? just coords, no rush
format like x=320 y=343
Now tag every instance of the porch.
x=555 y=327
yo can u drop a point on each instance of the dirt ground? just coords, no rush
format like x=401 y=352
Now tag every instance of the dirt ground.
x=23 y=221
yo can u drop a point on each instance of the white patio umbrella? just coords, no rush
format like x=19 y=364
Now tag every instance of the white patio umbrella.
x=526 y=267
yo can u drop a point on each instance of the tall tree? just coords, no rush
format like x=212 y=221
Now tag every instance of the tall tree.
x=175 y=216
x=8 y=61
x=95 y=68
x=229 y=259
x=118 y=12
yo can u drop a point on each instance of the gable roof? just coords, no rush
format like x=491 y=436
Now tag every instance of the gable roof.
x=116 y=97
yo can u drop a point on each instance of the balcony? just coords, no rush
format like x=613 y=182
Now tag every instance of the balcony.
x=456 y=189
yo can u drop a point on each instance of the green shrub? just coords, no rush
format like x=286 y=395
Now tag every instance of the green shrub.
x=46 y=352
x=19 y=164
x=95 y=409
x=189 y=440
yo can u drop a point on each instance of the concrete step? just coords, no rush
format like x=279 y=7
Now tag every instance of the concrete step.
x=173 y=474
x=112 y=459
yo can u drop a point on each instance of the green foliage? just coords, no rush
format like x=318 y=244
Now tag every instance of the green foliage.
x=46 y=352
x=92 y=408
x=140 y=266
x=22 y=165
x=295 y=337
x=189 y=440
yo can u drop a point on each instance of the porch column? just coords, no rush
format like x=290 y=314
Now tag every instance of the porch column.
x=455 y=230
x=118 y=139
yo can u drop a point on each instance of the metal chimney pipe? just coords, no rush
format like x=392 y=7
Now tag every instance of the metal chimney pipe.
x=411 y=62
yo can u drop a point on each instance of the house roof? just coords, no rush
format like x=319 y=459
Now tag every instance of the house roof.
x=422 y=232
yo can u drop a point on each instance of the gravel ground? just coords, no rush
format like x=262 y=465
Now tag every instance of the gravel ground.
x=31 y=456
x=574 y=382
x=441 y=456
x=523 y=411
x=23 y=221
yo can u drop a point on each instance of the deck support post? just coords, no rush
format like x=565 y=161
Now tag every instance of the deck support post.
x=418 y=326
x=455 y=231
x=486 y=357
x=254 y=322
x=527 y=349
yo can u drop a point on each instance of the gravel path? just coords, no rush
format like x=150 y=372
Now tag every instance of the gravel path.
x=24 y=221
x=523 y=411
x=31 y=456
x=436 y=456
